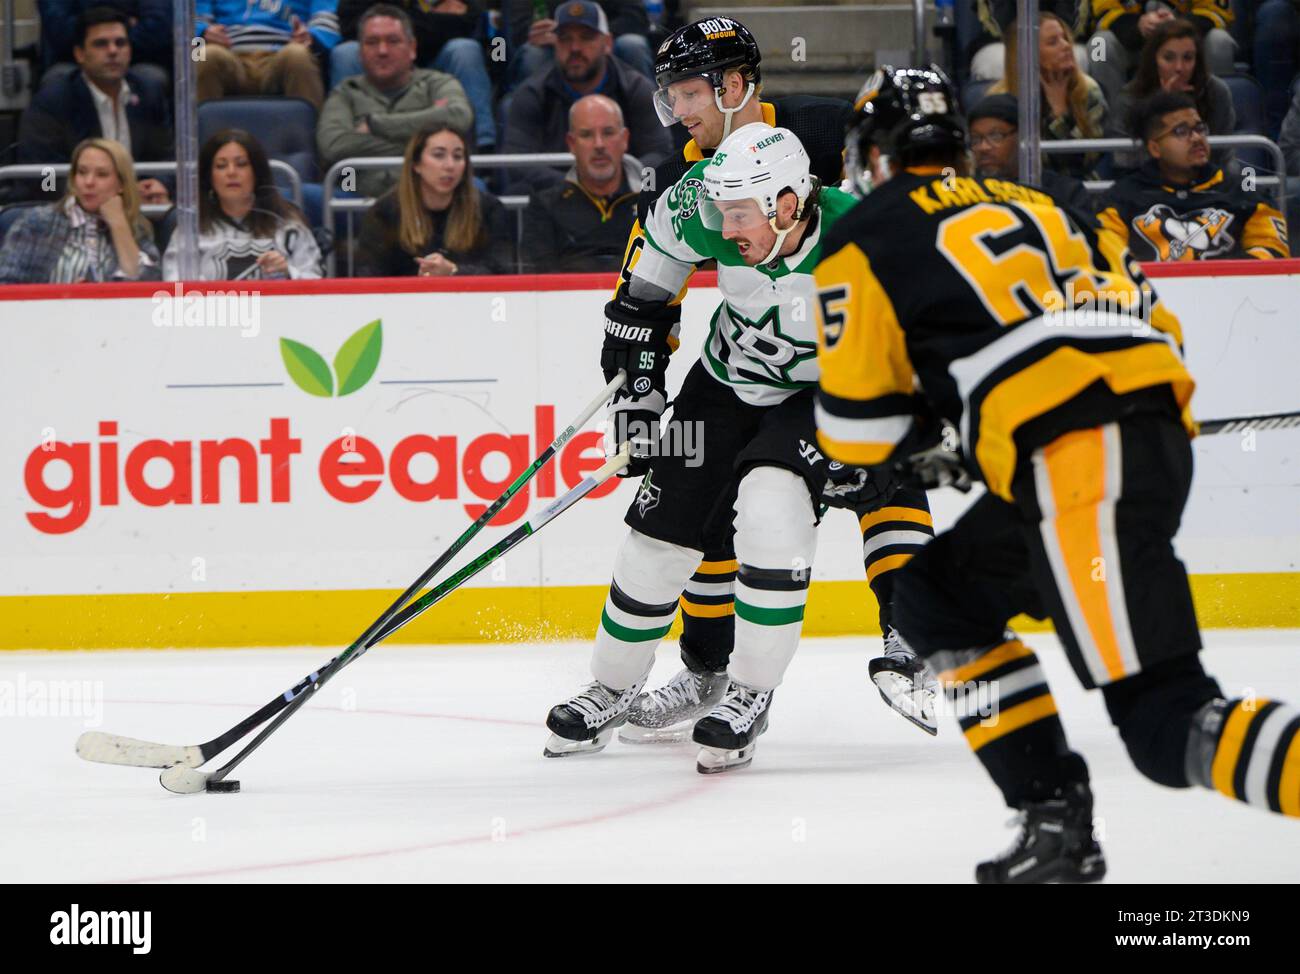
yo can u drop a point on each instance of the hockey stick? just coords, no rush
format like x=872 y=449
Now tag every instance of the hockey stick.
x=1236 y=424
x=186 y=780
x=114 y=749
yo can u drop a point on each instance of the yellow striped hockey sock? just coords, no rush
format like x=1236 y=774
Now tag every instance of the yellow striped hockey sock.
x=1006 y=711
x=1257 y=756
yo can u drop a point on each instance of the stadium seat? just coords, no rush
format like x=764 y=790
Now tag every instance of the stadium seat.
x=1248 y=102
x=10 y=214
x=286 y=127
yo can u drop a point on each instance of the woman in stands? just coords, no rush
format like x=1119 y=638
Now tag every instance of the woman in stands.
x=247 y=230
x=1073 y=106
x=1173 y=59
x=436 y=222
x=95 y=233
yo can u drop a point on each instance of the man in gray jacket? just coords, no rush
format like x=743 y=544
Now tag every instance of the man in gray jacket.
x=375 y=113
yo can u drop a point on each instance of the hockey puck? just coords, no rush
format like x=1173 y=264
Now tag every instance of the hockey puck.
x=225 y=785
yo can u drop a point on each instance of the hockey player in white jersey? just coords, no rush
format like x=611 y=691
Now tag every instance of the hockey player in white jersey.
x=755 y=209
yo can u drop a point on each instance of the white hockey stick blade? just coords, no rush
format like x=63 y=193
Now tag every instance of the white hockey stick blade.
x=112 y=749
x=905 y=697
x=184 y=781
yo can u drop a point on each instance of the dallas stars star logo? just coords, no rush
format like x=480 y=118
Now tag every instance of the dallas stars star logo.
x=765 y=344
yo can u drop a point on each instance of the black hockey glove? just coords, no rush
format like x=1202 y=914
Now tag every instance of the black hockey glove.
x=636 y=341
x=856 y=488
x=930 y=457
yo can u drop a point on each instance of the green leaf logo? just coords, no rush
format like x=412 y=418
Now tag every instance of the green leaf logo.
x=356 y=361
x=354 y=365
x=306 y=368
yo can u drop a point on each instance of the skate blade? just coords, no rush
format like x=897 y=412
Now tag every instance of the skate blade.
x=673 y=734
x=902 y=696
x=562 y=747
x=715 y=760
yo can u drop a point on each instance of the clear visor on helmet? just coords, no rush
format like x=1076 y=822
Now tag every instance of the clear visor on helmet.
x=683 y=99
x=741 y=216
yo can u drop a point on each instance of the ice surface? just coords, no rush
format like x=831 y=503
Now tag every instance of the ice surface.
x=424 y=764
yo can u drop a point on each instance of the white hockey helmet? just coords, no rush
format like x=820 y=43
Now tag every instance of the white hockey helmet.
x=757 y=162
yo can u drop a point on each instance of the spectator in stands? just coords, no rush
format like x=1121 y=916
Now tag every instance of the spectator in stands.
x=1073 y=106
x=1289 y=140
x=538 y=120
x=376 y=113
x=265 y=48
x=996 y=17
x=994 y=131
x=247 y=230
x=532 y=39
x=1173 y=60
x=1179 y=206
x=95 y=233
x=436 y=222
x=1276 y=42
x=582 y=224
x=149 y=26
x=104 y=99
x=446 y=39
x=1122 y=26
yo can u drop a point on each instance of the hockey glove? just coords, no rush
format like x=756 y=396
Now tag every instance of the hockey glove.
x=930 y=457
x=637 y=341
x=856 y=488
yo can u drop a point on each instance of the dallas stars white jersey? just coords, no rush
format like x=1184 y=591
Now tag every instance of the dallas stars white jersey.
x=763 y=336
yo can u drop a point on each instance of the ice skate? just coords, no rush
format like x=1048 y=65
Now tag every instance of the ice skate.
x=667 y=715
x=729 y=734
x=906 y=682
x=1054 y=843
x=585 y=723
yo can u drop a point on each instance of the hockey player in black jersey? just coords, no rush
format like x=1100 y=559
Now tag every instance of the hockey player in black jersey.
x=709 y=80
x=982 y=302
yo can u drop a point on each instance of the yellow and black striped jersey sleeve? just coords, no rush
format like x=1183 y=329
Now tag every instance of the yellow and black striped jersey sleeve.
x=864 y=403
x=1265 y=234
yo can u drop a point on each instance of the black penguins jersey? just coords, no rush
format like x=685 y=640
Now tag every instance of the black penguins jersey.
x=1018 y=323
x=1210 y=218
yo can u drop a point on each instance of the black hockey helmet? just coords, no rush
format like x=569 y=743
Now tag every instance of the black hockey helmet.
x=904 y=112
x=705 y=49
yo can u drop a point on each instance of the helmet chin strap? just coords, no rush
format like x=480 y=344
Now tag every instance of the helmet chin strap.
x=727 y=113
x=782 y=234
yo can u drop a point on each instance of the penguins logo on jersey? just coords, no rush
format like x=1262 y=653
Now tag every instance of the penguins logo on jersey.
x=1198 y=235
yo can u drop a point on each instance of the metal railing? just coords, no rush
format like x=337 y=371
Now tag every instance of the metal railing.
x=1278 y=180
x=354 y=204
x=38 y=170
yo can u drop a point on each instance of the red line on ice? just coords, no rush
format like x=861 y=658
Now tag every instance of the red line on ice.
x=623 y=812
x=342 y=710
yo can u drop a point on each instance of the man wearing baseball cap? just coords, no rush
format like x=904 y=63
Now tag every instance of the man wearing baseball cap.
x=532 y=38
x=538 y=117
x=994 y=125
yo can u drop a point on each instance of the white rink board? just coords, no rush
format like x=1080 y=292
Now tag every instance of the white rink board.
x=488 y=361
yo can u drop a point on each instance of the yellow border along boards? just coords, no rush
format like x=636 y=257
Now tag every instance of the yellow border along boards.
x=334 y=618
